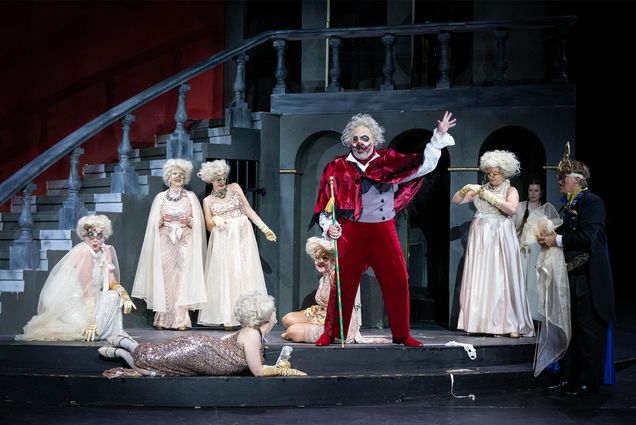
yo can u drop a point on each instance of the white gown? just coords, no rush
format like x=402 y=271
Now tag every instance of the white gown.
x=493 y=298
x=63 y=311
x=169 y=275
x=233 y=264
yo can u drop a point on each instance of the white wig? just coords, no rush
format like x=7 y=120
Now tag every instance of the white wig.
x=89 y=221
x=505 y=161
x=253 y=309
x=181 y=165
x=214 y=168
x=319 y=244
x=367 y=121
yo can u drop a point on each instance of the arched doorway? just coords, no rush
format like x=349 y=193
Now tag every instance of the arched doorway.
x=423 y=230
x=314 y=153
x=529 y=150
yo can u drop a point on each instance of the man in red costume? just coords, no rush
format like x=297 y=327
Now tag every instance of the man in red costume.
x=370 y=187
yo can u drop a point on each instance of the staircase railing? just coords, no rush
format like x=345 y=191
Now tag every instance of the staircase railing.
x=37 y=166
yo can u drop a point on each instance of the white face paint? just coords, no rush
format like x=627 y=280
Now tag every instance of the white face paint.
x=176 y=179
x=362 y=143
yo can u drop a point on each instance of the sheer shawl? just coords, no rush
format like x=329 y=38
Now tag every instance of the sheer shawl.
x=62 y=309
x=554 y=289
x=149 y=283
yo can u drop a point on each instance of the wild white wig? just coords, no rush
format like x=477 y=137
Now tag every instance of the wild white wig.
x=214 y=168
x=181 y=165
x=253 y=309
x=315 y=244
x=367 y=121
x=505 y=161
x=90 y=221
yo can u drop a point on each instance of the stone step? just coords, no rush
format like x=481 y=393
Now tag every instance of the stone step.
x=11 y=274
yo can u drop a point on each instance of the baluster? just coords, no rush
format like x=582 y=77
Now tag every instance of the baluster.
x=239 y=114
x=73 y=208
x=501 y=62
x=124 y=177
x=560 y=61
x=24 y=252
x=334 y=69
x=444 y=65
x=388 y=69
x=180 y=145
x=281 y=72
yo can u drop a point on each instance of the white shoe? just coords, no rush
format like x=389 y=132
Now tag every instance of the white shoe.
x=109 y=352
x=116 y=340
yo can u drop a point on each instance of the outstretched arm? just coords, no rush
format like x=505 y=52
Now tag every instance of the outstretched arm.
x=251 y=214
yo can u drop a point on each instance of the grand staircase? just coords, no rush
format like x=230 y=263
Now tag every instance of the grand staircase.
x=20 y=289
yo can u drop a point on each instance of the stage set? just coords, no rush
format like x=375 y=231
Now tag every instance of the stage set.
x=71 y=373
x=277 y=149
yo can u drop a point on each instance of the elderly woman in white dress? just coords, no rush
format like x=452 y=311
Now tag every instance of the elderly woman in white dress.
x=170 y=271
x=82 y=297
x=493 y=297
x=233 y=264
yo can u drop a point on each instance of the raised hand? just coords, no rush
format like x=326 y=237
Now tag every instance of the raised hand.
x=446 y=123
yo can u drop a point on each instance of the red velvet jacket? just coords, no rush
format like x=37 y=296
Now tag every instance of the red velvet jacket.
x=391 y=167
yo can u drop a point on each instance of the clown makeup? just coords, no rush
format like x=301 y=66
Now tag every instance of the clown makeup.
x=323 y=261
x=218 y=182
x=362 y=143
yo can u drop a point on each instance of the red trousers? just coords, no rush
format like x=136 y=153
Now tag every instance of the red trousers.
x=375 y=245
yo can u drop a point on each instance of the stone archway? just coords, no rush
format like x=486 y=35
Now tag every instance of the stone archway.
x=529 y=150
x=423 y=230
x=312 y=156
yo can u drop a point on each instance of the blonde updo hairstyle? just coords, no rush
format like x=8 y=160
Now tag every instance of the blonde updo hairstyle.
x=90 y=221
x=316 y=245
x=505 y=161
x=181 y=165
x=364 y=120
x=253 y=309
x=214 y=168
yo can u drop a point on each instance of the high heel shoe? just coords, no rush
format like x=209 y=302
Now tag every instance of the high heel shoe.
x=109 y=352
x=116 y=340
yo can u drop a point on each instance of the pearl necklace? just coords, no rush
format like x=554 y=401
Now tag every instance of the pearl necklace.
x=170 y=198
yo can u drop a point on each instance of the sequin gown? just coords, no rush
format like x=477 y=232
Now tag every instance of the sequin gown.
x=493 y=297
x=316 y=313
x=233 y=264
x=175 y=241
x=193 y=355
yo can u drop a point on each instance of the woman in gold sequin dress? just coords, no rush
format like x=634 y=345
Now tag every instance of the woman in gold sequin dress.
x=201 y=354
x=233 y=264
x=170 y=271
x=493 y=297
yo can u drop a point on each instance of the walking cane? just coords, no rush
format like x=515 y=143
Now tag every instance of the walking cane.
x=331 y=208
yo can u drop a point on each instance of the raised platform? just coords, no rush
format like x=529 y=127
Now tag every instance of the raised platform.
x=70 y=373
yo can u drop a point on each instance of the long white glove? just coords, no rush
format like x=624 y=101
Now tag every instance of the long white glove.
x=269 y=233
x=90 y=331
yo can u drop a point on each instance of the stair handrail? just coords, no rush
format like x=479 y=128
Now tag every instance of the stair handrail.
x=42 y=162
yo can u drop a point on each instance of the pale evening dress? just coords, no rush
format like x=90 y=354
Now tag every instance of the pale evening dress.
x=193 y=355
x=317 y=313
x=233 y=264
x=493 y=297
x=169 y=276
x=63 y=313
